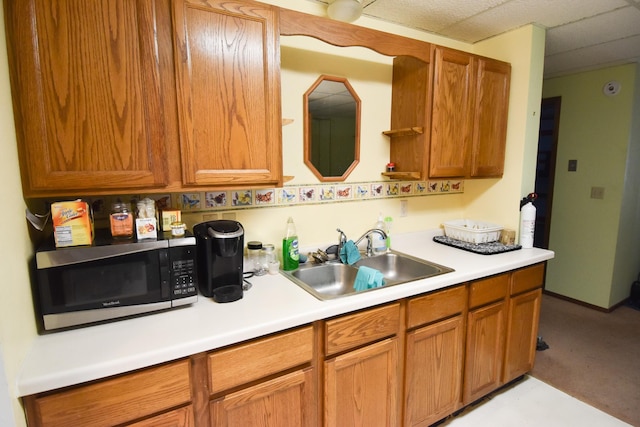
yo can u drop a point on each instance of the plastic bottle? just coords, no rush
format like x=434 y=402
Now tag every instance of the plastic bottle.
x=379 y=243
x=290 y=256
x=527 y=225
x=387 y=228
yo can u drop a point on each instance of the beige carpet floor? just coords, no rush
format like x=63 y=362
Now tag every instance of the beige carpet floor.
x=592 y=356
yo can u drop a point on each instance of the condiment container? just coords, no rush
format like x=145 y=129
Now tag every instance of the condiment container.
x=256 y=257
x=121 y=221
x=177 y=229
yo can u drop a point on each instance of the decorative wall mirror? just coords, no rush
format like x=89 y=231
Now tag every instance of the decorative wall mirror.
x=331 y=128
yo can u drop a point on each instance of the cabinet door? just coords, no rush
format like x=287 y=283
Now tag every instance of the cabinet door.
x=522 y=330
x=228 y=84
x=114 y=401
x=485 y=351
x=434 y=372
x=86 y=92
x=283 y=401
x=361 y=387
x=490 y=118
x=453 y=89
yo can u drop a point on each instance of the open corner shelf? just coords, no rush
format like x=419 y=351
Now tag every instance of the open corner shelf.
x=416 y=130
x=410 y=176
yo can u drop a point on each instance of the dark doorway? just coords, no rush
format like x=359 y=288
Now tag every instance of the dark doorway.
x=545 y=169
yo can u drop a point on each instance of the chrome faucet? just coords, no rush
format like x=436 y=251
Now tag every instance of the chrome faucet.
x=367 y=235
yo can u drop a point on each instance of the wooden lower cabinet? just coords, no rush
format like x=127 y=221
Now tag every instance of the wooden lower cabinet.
x=523 y=319
x=502 y=327
x=522 y=330
x=485 y=351
x=286 y=400
x=265 y=382
x=361 y=387
x=124 y=400
x=362 y=370
x=434 y=371
x=182 y=417
x=411 y=362
x=434 y=355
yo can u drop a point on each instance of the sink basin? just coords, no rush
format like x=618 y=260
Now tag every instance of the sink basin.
x=334 y=280
x=326 y=281
x=401 y=268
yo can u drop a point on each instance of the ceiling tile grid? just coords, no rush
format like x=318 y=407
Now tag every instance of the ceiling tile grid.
x=581 y=34
x=604 y=28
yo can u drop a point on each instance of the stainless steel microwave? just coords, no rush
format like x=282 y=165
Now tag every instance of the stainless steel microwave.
x=109 y=280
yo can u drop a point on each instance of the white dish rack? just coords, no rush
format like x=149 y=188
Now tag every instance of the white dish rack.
x=472 y=231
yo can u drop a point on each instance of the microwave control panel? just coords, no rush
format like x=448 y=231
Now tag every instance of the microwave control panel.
x=184 y=278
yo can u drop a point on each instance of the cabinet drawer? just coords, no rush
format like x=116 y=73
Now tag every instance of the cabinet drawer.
x=436 y=306
x=115 y=401
x=357 y=329
x=488 y=290
x=181 y=417
x=527 y=278
x=259 y=358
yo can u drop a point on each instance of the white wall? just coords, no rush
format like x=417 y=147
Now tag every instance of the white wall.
x=627 y=263
x=17 y=327
x=595 y=240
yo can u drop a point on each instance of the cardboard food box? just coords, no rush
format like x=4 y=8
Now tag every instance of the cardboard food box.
x=169 y=216
x=72 y=223
x=146 y=228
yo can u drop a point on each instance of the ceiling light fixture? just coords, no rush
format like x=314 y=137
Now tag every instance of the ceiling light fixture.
x=345 y=10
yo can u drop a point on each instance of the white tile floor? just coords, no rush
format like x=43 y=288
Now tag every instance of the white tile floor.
x=532 y=403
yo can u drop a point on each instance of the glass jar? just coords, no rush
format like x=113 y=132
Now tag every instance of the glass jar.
x=271 y=259
x=177 y=229
x=269 y=253
x=256 y=258
x=121 y=221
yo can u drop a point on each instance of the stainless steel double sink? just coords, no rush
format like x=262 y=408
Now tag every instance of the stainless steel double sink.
x=334 y=279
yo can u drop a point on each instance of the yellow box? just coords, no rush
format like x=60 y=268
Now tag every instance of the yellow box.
x=169 y=216
x=72 y=223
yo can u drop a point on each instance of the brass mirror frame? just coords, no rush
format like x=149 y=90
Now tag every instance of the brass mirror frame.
x=307 y=129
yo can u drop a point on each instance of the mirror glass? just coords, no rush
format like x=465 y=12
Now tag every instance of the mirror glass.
x=331 y=128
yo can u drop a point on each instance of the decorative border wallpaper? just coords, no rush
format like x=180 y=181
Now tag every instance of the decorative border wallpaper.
x=311 y=194
x=289 y=195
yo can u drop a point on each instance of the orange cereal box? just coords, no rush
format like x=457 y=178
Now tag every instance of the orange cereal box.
x=72 y=223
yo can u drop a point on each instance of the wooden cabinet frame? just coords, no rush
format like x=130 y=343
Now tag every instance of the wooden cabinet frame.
x=402 y=363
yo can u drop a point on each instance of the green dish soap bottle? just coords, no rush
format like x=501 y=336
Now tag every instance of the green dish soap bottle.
x=290 y=255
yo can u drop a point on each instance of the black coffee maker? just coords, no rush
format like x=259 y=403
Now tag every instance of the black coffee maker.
x=219 y=246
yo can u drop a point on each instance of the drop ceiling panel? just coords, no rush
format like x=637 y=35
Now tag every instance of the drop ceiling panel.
x=516 y=13
x=604 y=28
x=593 y=57
x=432 y=14
x=581 y=34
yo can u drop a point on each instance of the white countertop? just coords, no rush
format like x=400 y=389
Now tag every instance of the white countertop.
x=274 y=303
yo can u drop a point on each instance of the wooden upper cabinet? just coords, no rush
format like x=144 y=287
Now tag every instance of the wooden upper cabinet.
x=86 y=94
x=451 y=125
x=228 y=90
x=410 y=116
x=490 y=118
